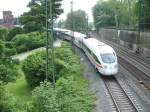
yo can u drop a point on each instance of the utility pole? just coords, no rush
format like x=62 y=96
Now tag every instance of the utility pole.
x=139 y=29
x=130 y=12
x=47 y=41
x=117 y=28
x=72 y=15
x=52 y=39
x=87 y=24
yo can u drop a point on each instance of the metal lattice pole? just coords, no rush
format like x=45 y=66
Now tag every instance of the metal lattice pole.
x=47 y=40
x=139 y=29
x=52 y=40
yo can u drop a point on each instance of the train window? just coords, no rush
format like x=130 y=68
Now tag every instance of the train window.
x=108 y=58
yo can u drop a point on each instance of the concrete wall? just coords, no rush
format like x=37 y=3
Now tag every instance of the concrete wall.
x=127 y=39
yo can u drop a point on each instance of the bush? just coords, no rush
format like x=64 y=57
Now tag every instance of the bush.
x=34 y=68
x=8 y=70
x=3 y=33
x=8 y=103
x=68 y=96
x=10 y=52
x=30 y=41
x=13 y=32
x=66 y=63
x=2 y=47
x=44 y=100
x=71 y=90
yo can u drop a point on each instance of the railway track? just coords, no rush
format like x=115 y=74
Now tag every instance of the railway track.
x=140 y=75
x=122 y=102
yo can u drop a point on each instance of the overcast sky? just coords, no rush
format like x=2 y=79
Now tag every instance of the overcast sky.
x=19 y=6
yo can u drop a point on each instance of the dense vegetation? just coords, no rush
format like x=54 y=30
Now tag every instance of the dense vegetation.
x=70 y=95
x=65 y=64
x=121 y=13
x=15 y=41
x=29 y=41
x=70 y=92
x=8 y=73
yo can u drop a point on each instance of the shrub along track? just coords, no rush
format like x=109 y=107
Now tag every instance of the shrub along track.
x=122 y=103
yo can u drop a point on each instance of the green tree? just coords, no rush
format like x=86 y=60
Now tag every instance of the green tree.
x=3 y=33
x=13 y=32
x=29 y=41
x=2 y=47
x=142 y=10
x=8 y=70
x=34 y=69
x=65 y=64
x=114 y=12
x=34 y=20
x=8 y=67
x=78 y=21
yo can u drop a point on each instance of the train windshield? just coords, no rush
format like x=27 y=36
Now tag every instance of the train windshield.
x=108 y=58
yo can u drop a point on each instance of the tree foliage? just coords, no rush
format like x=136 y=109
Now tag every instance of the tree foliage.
x=34 y=20
x=29 y=41
x=13 y=32
x=77 y=20
x=115 y=12
x=142 y=9
x=68 y=96
x=3 y=33
x=9 y=103
x=8 y=70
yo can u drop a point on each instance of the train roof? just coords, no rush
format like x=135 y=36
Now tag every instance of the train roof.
x=97 y=46
x=70 y=33
x=61 y=30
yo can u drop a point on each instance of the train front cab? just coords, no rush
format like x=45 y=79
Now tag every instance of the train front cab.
x=109 y=64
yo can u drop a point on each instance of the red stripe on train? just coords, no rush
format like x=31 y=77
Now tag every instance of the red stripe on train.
x=99 y=66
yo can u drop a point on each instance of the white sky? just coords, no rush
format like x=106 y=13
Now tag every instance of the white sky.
x=19 y=6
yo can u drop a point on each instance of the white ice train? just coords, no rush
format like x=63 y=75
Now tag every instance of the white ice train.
x=102 y=56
